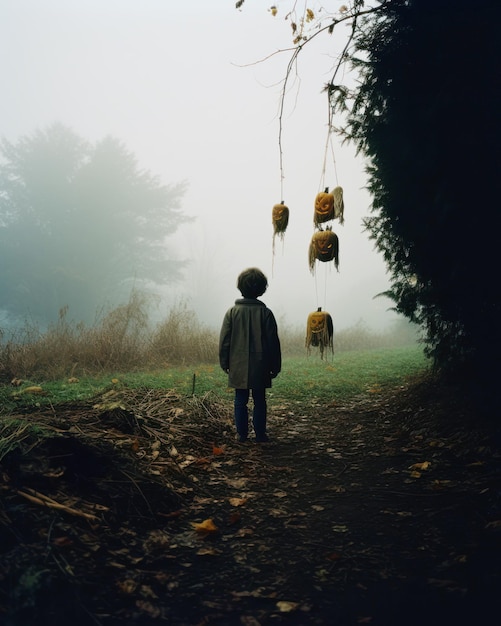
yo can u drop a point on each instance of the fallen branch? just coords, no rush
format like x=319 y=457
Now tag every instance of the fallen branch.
x=39 y=498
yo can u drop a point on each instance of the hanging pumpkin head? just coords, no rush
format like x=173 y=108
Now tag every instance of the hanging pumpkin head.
x=319 y=331
x=324 y=207
x=324 y=247
x=337 y=194
x=280 y=219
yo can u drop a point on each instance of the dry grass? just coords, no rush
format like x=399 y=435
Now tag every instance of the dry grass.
x=123 y=340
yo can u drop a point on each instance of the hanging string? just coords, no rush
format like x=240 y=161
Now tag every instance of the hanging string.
x=334 y=159
x=321 y=302
x=325 y=285
x=316 y=289
x=329 y=143
x=322 y=184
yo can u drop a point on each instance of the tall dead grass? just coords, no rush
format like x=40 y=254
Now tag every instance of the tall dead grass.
x=123 y=340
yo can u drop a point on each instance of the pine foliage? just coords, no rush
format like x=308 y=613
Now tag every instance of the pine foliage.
x=426 y=114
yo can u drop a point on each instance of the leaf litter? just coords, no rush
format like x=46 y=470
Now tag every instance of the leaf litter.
x=139 y=507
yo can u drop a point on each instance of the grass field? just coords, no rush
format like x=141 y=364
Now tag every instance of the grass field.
x=303 y=379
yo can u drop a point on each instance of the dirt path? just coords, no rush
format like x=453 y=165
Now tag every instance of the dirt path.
x=384 y=512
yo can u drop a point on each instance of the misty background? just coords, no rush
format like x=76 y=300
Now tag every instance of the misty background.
x=193 y=91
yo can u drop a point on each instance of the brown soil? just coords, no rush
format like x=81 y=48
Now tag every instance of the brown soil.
x=140 y=508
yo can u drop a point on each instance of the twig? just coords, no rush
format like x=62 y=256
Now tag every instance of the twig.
x=39 y=498
x=139 y=489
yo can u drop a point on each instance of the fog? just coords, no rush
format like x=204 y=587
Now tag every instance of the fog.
x=186 y=87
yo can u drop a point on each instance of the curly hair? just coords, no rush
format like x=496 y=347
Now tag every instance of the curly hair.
x=252 y=283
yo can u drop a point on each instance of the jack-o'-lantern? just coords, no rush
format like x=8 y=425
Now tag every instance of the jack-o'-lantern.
x=280 y=219
x=324 y=207
x=337 y=194
x=324 y=247
x=319 y=331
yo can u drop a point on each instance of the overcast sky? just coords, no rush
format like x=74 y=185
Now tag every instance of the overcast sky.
x=180 y=82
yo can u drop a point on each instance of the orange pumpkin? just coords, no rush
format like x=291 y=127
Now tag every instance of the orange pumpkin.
x=324 y=247
x=280 y=219
x=324 y=207
x=319 y=331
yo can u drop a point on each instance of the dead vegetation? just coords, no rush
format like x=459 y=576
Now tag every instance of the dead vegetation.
x=124 y=340
x=139 y=507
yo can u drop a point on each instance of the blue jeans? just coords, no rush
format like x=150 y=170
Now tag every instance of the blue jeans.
x=258 y=413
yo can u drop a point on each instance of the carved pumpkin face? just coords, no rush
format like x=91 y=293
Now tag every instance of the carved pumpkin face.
x=324 y=247
x=320 y=331
x=324 y=207
x=316 y=322
x=280 y=218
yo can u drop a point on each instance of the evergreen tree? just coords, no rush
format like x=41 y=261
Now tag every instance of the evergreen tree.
x=427 y=116
x=78 y=224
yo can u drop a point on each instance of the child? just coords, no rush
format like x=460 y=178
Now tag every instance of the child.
x=249 y=351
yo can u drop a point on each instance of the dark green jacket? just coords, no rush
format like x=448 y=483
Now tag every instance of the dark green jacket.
x=249 y=347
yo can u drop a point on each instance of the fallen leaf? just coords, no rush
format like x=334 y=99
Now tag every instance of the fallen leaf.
x=237 y=501
x=420 y=466
x=35 y=389
x=217 y=450
x=248 y=620
x=238 y=483
x=148 y=608
x=286 y=607
x=62 y=541
x=207 y=526
x=337 y=489
x=280 y=494
x=147 y=592
x=277 y=513
x=208 y=552
x=127 y=586
x=440 y=484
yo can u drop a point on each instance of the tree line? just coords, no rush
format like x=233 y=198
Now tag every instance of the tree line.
x=80 y=225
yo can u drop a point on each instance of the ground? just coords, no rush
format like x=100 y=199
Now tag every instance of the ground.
x=140 y=508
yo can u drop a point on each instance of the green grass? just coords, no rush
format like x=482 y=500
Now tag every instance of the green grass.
x=303 y=379
x=348 y=374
